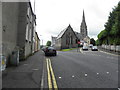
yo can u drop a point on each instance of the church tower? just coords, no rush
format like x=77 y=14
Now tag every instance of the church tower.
x=83 y=27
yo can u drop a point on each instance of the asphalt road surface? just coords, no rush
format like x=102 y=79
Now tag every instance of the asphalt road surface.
x=70 y=69
x=85 y=69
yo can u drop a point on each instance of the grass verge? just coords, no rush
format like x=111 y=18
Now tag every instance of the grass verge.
x=67 y=49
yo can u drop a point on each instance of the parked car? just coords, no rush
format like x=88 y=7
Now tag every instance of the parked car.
x=85 y=48
x=94 y=48
x=91 y=45
x=50 y=51
x=43 y=48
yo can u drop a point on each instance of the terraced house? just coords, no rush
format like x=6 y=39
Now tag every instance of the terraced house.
x=18 y=30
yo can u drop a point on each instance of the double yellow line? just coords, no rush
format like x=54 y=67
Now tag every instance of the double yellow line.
x=51 y=77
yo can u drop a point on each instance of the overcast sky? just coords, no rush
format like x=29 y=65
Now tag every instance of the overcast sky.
x=55 y=15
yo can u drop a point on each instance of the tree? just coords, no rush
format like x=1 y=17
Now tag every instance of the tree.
x=97 y=42
x=111 y=33
x=48 y=43
x=92 y=41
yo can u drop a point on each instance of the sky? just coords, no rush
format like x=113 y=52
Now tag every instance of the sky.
x=55 y=15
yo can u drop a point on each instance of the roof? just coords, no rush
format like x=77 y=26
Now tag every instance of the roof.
x=78 y=35
x=61 y=33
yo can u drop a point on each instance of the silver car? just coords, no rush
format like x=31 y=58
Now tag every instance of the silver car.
x=94 y=48
x=85 y=48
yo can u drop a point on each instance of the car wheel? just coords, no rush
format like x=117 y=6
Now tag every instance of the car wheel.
x=55 y=54
x=45 y=54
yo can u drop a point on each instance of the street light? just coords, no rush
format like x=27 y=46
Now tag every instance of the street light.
x=41 y=41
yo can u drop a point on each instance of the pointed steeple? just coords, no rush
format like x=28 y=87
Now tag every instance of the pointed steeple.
x=83 y=27
x=83 y=18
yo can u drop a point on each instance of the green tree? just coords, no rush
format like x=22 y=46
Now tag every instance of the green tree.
x=111 y=34
x=92 y=41
x=48 y=43
x=97 y=42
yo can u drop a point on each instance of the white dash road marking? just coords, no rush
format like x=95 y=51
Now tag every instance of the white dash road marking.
x=73 y=76
x=59 y=77
x=86 y=75
x=97 y=73
x=35 y=69
x=107 y=72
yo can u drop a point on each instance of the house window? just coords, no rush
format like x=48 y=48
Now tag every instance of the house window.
x=66 y=40
x=30 y=32
x=71 y=40
x=30 y=18
x=28 y=11
x=27 y=32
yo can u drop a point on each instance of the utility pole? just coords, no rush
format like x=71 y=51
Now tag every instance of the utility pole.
x=34 y=6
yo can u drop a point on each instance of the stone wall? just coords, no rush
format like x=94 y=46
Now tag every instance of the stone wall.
x=112 y=47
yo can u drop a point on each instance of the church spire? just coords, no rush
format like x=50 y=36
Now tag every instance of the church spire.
x=83 y=28
x=83 y=19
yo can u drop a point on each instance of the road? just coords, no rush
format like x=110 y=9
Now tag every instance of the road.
x=70 y=69
x=85 y=69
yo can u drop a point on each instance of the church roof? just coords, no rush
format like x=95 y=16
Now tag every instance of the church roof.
x=79 y=36
x=61 y=33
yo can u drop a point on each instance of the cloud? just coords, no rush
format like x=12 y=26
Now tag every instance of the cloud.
x=55 y=15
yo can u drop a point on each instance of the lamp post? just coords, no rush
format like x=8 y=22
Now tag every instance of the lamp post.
x=41 y=41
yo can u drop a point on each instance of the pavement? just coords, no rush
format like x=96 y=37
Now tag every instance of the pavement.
x=27 y=75
x=108 y=51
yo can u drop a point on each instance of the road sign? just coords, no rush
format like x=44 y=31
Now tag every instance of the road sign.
x=78 y=42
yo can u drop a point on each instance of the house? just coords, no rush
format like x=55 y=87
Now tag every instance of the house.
x=25 y=29
x=53 y=41
x=18 y=29
x=66 y=39
x=37 y=42
x=10 y=18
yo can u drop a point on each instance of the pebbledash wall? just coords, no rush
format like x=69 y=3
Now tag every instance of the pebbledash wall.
x=9 y=30
x=17 y=29
x=25 y=30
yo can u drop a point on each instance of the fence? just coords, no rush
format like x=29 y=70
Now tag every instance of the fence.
x=112 y=47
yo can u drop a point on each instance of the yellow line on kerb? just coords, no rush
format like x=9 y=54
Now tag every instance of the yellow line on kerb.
x=49 y=78
x=53 y=77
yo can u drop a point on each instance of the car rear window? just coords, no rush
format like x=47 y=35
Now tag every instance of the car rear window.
x=50 y=48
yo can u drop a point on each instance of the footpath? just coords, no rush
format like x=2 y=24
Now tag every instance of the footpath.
x=27 y=75
x=109 y=51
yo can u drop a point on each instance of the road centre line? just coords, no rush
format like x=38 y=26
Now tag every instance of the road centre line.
x=51 y=77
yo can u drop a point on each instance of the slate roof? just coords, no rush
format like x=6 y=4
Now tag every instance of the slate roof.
x=79 y=36
x=61 y=33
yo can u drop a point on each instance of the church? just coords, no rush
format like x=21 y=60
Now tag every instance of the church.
x=68 y=38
